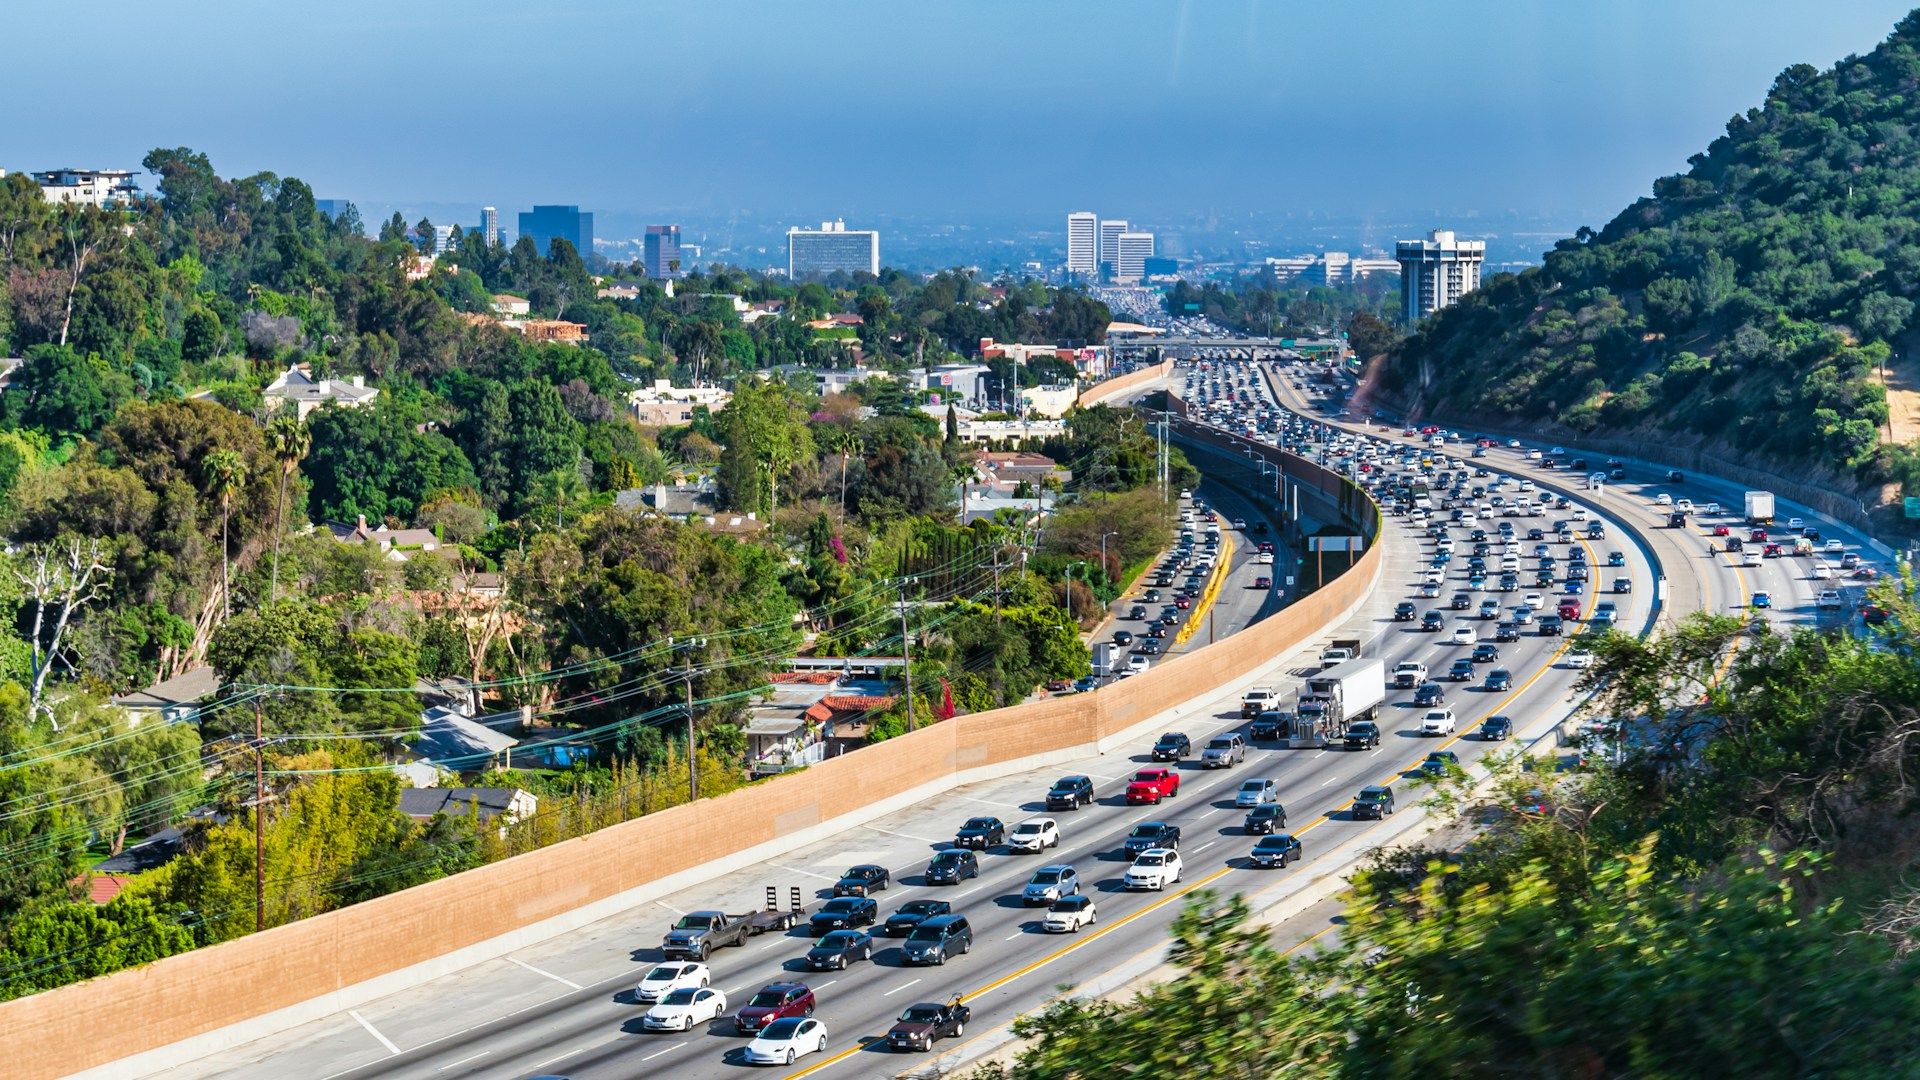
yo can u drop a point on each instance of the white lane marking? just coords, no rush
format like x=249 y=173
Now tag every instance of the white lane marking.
x=986 y=802
x=561 y=1057
x=826 y=984
x=548 y=974
x=1208 y=814
x=797 y=870
x=901 y=835
x=899 y=988
x=374 y=1031
x=1327 y=781
x=771 y=945
x=732 y=990
x=1015 y=934
x=669 y=907
x=464 y=1060
x=668 y=1050
x=1204 y=847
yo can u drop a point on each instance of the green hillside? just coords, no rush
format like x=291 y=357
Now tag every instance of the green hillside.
x=1749 y=302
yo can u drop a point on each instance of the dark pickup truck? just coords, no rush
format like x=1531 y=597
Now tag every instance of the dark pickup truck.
x=921 y=1025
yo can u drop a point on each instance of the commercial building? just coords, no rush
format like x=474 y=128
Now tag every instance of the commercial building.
x=442 y=239
x=545 y=224
x=1340 y=268
x=1083 y=243
x=87 y=187
x=1131 y=252
x=661 y=252
x=961 y=382
x=490 y=225
x=1110 y=231
x=1437 y=271
x=332 y=208
x=830 y=248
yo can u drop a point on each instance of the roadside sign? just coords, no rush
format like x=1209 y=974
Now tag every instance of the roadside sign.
x=1912 y=506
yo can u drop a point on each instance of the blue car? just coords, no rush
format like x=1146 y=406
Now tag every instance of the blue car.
x=1086 y=683
x=1575 y=587
x=1763 y=599
x=1442 y=558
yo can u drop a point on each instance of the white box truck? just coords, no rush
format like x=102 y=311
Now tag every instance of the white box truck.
x=1759 y=507
x=1337 y=697
x=1103 y=659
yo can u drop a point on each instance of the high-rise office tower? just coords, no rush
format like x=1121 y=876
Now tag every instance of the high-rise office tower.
x=1083 y=243
x=661 y=254
x=1109 y=258
x=1130 y=255
x=490 y=225
x=830 y=248
x=545 y=224
x=1436 y=272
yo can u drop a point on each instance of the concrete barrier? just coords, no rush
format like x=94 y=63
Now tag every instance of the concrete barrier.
x=185 y=1007
x=1132 y=380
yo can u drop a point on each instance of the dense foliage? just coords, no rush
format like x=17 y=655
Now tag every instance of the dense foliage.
x=1750 y=301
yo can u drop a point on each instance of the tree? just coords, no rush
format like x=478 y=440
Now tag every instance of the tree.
x=85 y=233
x=765 y=433
x=66 y=393
x=375 y=461
x=225 y=472
x=288 y=440
x=558 y=488
x=60 y=580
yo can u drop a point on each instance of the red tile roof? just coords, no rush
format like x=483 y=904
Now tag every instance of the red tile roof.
x=104 y=887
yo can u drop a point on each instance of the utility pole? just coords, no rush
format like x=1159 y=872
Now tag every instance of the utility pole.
x=693 y=760
x=906 y=653
x=259 y=832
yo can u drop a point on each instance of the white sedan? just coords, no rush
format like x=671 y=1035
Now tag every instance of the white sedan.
x=1156 y=868
x=663 y=979
x=1579 y=659
x=681 y=1009
x=1464 y=634
x=1068 y=914
x=785 y=1039
x=1534 y=600
x=1822 y=571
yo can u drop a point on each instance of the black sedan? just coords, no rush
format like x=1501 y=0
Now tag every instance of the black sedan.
x=952 y=866
x=861 y=880
x=840 y=948
x=981 y=833
x=1265 y=818
x=1276 y=850
x=913 y=913
x=1485 y=653
x=1496 y=727
x=844 y=913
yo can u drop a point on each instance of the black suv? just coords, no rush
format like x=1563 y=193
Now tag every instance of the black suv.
x=1433 y=620
x=1172 y=747
x=1496 y=727
x=1403 y=611
x=1364 y=735
x=981 y=833
x=1373 y=802
x=1266 y=727
x=1265 y=818
x=937 y=940
x=1070 y=793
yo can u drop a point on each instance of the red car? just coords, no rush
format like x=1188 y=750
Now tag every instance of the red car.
x=1263 y=583
x=1569 y=610
x=1266 y=546
x=1772 y=551
x=775 y=1001
x=1183 y=603
x=1757 y=536
x=1152 y=785
x=1722 y=530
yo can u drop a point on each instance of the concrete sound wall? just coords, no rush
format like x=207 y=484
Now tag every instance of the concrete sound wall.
x=186 y=1006
x=1132 y=380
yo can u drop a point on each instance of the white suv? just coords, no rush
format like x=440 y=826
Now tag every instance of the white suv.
x=1437 y=722
x=1153 y=869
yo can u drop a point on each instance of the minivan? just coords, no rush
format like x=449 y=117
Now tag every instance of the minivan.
x=938 y=939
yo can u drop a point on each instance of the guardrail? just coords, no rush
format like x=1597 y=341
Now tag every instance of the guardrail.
x=211 y=999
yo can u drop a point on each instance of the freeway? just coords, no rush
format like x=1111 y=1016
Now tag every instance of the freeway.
x=563 y=1007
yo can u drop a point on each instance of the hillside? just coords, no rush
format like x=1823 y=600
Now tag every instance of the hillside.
x=1747 y=304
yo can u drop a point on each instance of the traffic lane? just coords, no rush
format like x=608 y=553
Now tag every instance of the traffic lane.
x=1307 y=782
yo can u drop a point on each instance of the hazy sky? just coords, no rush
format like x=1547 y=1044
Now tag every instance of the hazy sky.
x=959 y=110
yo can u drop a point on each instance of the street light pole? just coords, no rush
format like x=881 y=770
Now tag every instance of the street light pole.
x=906 y=653
x=259 y=833
x=1104 y=572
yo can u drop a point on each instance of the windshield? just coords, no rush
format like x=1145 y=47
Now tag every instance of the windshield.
x=1027 y=828
x=1151 y=860
x=679 y=997
x=768 y=999
x=921 y=907
x=1220 y=744
x=1254 y=785
x=1046 y=877
x=921 y=1014
x=1271 y=842
x=839 y=939
x=691 y=922
x=1373 y=795
x=979 y=823
x=1147 y=830
x=782 y=1029
x=842 y=905
x=946 y=857
x=670 y=971
x=924 y=932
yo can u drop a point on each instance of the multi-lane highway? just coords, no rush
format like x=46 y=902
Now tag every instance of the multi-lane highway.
x=564 y=1007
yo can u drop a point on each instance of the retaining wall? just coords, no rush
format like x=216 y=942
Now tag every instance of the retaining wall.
x=186 y=1006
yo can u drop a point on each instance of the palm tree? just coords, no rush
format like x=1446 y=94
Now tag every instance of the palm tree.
x=226 y=472
x=847 y=443
x=558 y=487
x=287 y=440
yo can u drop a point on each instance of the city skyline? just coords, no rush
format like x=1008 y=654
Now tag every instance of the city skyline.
x=1233 y=106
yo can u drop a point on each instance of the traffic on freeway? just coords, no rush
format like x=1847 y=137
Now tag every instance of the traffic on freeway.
x=1254 y=789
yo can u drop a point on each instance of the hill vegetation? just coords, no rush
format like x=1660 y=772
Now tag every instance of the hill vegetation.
x=1749 y=302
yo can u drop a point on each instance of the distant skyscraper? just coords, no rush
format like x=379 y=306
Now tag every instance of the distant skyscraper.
x=442 y=239
x=832 y=247
x=490 y=225
x=1083 y=243
x=545 y=224
x=1109 y=258
x=662 y=253
x=1131 y=252
x=1436 y=272
x=332 y=208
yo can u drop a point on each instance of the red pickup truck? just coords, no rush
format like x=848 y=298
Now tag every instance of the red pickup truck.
x=1152 y=785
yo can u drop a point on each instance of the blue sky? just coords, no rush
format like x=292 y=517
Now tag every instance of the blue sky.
x=956 y=110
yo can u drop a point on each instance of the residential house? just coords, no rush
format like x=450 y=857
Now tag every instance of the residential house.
x=174 y=701
x=510 y=305
x=296 y=386
x=502 y=804
x=665 y=404
x=1015 y=466
x=450 y=740
x=566 y=333
x=399 y=544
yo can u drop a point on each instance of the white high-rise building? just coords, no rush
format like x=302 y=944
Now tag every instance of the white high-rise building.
x=1110 y=231
x=490 y=225
x=1130 y=255
x=1083 y=243
x=832 y=247
x=1437 y=271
